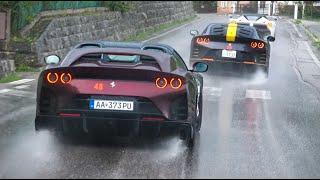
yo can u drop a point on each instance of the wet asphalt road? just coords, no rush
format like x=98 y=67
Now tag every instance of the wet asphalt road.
x=252 y=128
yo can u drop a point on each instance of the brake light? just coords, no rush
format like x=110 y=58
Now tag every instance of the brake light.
x=176 y=83
x=258 y=45
x=202 y=40
x=161 y=82
x=69 y=115
x=254 y=44
x=153 y=118
x=52 y=77
x=65 y=78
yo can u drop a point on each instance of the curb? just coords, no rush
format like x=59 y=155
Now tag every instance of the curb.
x=198 y=18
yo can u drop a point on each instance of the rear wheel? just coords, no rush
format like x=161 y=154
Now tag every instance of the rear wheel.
x=266 y=71
x=199 y=113
x=43 y=123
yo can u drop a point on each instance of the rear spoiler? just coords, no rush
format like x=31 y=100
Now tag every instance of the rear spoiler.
x=162 y=59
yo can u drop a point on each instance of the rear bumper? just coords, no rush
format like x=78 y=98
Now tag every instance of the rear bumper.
x=49 y=121
x=212 y=62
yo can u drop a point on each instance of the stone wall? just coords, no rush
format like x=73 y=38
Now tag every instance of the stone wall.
x=6 y=67
x=64 y=33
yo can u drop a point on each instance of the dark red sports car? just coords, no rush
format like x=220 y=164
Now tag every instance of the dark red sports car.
x=122 y=85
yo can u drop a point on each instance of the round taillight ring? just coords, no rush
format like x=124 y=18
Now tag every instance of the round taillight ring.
x=177 y=85
x=161 y=82
x=52 y=77
x=260 y=45
x=65 y=78
x=254 y=44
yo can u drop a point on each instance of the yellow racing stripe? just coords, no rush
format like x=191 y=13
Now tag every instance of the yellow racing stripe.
x=231 y=32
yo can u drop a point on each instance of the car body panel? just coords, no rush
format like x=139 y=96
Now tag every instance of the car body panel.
x=213 y=41
x=120 y=81
x=256 y=19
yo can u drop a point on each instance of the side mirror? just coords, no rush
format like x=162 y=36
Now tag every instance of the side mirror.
x=52 y=59
x=200 y=67
x=194 y=32
x=271 y=38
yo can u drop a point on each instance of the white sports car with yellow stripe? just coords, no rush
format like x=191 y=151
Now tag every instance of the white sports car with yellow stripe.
x=231 y=43
x=256 y=20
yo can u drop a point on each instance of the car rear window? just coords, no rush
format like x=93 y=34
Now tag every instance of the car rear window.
x=120 y=58
x=252 y=17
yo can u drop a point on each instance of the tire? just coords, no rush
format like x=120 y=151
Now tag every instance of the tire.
x=199 y=116
x=42 y=124
x=265 y=71
x=190 y=138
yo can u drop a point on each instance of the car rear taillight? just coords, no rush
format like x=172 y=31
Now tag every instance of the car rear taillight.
x=161 y=82
x=175 y=83
x=257 y=45
x=52 y=77
x=64 y=78
x=260 y=45
x=202 y=40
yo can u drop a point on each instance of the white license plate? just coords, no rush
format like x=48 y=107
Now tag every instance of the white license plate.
x=111 y=105
x=229 y=54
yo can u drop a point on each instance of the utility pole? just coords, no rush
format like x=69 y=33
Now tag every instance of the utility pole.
x=296 y=10
x=269 y=9
x=303 y=8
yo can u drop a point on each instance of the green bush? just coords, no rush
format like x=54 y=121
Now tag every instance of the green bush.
x=117 y=5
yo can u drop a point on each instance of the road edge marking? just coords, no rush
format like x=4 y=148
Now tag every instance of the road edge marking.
x=296 y=29
x=5 y=91
x=21 y=81
x=313 y=56
x=172 y=30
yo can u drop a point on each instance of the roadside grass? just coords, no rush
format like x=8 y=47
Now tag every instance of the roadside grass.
x=314 y=38
x=297 y=21
x=10 y=77
x=25 y=68
x=140 y=36
x=317 y=44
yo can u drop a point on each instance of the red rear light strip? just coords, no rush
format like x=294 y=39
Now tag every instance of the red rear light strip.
x=69 y=115
x=153 y=118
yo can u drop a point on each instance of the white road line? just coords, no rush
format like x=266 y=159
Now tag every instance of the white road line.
x=172 y=30
x=22 y=86
x=4 y=91
x=22 y=81
x=212 y=91
x=21 y=93
x=314 y=57
x=295 y=28
x=258 y=94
